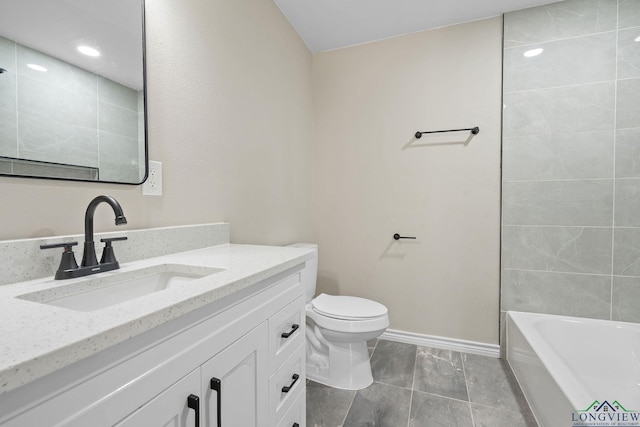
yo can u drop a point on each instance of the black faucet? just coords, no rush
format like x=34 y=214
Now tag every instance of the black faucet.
x=68 y=268
x=89 y=255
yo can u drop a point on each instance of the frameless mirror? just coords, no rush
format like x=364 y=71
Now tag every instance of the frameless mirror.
x=72 y=90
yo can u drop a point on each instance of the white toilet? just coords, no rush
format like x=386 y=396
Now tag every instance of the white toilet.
x=338 y=328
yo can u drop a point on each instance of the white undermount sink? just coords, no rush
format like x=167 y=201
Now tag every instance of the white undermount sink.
x=99 y=292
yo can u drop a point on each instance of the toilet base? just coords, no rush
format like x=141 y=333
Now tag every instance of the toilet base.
x=338 y=364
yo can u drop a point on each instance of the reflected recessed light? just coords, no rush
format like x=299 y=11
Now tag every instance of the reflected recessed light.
x=533 y=52
x=89 y=51
x=637 y=39
x=37 y=67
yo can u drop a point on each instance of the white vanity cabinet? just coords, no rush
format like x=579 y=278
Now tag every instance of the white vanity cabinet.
x=238 y=362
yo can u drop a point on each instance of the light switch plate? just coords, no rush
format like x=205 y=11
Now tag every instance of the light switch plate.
x=153 y=185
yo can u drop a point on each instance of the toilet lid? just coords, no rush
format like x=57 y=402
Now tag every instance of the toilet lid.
x=348 y=308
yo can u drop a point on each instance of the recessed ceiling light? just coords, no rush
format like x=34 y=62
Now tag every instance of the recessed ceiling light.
x=533 y=52
x=89 y=51
x=37 y=67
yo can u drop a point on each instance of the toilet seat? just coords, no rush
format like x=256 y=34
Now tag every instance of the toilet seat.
x=336 y=314
x=348 y=308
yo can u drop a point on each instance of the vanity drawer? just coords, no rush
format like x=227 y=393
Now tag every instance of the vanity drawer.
x=296 y=416
x=286 y=332
x=287 y=384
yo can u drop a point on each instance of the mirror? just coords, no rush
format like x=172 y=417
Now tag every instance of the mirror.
x=72 y=90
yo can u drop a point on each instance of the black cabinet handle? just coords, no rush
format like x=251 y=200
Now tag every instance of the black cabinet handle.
x=294 y=328
x=216 y=386
x=295 y=425
x=286 y=388
x=193 y=402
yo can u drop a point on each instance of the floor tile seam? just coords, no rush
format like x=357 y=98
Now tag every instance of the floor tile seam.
x=466 y=384
x=393 y=385
x=441 y=395
x=499 y=409
x=413 y=385
x=346 y=414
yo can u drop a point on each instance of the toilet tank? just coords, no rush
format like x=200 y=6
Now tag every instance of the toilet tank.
x=310 y=272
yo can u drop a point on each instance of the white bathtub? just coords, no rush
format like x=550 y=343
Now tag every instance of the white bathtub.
x=564 y=364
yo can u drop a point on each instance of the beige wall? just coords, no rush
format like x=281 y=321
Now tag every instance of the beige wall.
x=372 y=179
x=230 y=117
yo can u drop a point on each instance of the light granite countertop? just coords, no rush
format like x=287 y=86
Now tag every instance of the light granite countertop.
x=38 y=339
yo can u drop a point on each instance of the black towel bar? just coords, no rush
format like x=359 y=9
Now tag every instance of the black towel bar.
x=474 y=131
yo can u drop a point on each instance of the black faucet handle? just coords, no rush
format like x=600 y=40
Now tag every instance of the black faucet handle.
x=68 y=261
x=108 y=256
x=112 y=239
x=67 y=246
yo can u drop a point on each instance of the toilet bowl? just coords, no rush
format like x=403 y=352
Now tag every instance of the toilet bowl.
x=338 y=328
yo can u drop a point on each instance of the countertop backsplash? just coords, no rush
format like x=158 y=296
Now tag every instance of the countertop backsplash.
x=22 y=260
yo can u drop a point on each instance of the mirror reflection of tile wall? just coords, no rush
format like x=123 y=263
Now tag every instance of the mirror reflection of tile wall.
x=68 y=116
x=571 y=160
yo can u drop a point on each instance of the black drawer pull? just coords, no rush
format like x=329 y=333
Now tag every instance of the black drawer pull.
x=294 y=328
x=216 y=386
x=193 y=402
x=295 y=425
x=286 y=388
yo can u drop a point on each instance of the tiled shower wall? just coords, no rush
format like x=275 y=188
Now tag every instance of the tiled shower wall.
x=571 y=160
x=67 y=115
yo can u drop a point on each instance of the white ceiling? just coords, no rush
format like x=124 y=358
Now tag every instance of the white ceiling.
x=332 y=24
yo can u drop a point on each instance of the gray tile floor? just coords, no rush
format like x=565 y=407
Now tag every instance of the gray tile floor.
x=418 y=386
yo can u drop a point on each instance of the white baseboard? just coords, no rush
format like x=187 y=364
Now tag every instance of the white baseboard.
x=473 y=347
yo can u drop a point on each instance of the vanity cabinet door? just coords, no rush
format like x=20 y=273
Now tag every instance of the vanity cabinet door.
x=174 y=407
x=235 y=383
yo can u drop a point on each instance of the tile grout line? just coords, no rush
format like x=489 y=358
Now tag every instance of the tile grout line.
x=413 y=385
x=348 y=409
x=538 y=43
x=466 y=383
x=615 y=124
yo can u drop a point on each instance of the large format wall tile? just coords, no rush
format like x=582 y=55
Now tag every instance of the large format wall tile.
x=565 y=109
x=7 y=54
x=565 y=249
x=59 y=75
x=626 y=252
x=8 y=126
x=626 y=294
x=571 y=61
x=628 y=104
x=117 y=120
x=559 y=20
x=558 y=203
x=583 y=295
x=627 y=205
x=45 y=100
x=117 y=94
x=585 y=155
x=628 y=53
x=46 y=139
x=628 y=153
x=119 y=159
x=628 y=13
